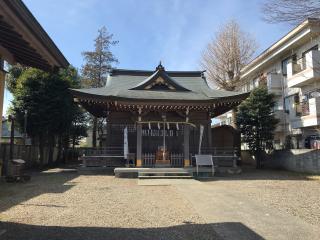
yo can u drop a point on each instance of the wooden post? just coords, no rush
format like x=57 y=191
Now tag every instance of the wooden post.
x=139 y=140
x=186 y=151
x=139 y=145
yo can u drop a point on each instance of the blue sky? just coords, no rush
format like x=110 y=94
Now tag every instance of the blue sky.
x=173 y=31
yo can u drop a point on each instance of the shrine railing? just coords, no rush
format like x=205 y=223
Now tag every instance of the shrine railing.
x=101 y=151
x=102 y=157
x=149 y=160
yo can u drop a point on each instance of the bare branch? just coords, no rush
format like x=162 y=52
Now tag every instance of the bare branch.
x=228 y=52
x=291 y=11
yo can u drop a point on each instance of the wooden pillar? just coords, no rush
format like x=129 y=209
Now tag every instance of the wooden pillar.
x=139 y=145
x=186 y=149
x=139 y=140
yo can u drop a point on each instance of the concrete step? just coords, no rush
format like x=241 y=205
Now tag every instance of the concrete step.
x=162 y=173
x=172 y=173
x=144 y=170
x=165 y=177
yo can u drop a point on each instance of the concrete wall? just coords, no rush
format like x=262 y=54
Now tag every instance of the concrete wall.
x=298 y=160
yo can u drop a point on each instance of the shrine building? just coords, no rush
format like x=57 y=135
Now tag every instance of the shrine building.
x=166 y=115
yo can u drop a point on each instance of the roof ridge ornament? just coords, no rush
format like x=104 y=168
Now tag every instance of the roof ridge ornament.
x=160 y=81
x=160 y=67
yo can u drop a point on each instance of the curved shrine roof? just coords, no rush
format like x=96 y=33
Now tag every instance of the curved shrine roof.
x=157 y=85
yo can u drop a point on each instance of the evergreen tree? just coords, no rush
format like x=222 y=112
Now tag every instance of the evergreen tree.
x=48 y=102
x=256 y=121
x=98 y=64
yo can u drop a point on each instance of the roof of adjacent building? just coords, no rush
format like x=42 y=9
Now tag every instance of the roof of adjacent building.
x=23 y=40
x=157 y=85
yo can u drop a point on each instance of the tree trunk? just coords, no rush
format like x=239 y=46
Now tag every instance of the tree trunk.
x=51 y=149
x=65 y=145
x=59 y=149
x=94 y=132
x=258 y=156
x=41 y=151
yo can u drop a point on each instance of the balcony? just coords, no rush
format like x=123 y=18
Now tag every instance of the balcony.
x=305 y=70
x=274 y=83
x=310 y=114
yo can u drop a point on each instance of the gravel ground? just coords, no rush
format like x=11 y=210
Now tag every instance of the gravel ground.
x=293 y=193
x=60 y=204
x=63 y=205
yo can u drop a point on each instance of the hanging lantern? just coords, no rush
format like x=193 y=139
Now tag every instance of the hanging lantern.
x=158 y=125
x=149 y=125
x=177 y=125
x=168 y=126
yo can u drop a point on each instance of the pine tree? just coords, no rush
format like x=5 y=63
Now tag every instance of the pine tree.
x=256 y=121
x=98 y=64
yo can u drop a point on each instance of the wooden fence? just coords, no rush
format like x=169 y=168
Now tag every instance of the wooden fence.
x=30 y=154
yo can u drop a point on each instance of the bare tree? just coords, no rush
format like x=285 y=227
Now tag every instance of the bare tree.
x=290 y=11
x=226 y=55
x=228 y=52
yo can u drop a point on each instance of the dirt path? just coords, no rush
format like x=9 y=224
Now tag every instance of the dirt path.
x=259 y=205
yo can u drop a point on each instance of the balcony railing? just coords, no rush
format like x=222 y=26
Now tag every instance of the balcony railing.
x=305 y=70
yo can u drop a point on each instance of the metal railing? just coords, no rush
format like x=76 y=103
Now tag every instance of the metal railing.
x=222 y=156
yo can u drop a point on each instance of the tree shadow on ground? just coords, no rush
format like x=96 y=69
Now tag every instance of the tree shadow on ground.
x=49 y=181
x=225 y=230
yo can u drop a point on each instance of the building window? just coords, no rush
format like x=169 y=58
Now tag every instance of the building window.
x=287 y=105
x=284 y=66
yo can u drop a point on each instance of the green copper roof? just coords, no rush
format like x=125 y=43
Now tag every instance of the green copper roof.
x=123 y=84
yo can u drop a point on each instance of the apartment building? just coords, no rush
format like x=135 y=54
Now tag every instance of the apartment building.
x=290 y=69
